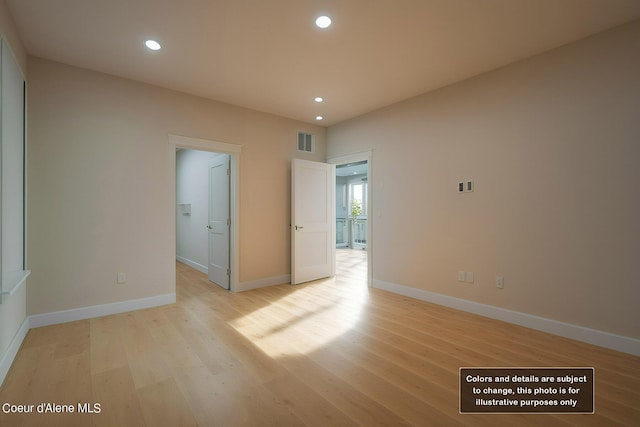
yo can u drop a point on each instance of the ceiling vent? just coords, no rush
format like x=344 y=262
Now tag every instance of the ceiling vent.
x=305 y=142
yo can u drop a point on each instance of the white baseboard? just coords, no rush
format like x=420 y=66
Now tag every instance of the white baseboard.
x=13 y=348
x=82 y=313
x=201 y=268
x=263 y=283
x=567 y=330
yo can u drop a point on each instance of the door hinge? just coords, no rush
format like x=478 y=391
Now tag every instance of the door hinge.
x=228 y=221
x=228 y=272
x=228 y=172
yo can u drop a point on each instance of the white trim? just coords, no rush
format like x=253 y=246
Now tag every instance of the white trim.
x=204 y=144
x=201 y=268
x=12 y=350
x=263 y=283
x=15 y=58
x=567 y=330
x=177 y=141
x=358 y=157
x=83 y=313
x=14 y=280
x=350 y=158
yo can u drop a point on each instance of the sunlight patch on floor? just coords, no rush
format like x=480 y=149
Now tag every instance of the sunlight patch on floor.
x=272 y=327
x=309 y=313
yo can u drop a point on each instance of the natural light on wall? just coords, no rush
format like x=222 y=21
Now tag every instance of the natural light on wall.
x=272 y=326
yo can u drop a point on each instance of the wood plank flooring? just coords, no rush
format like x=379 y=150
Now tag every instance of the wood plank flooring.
x=331 y=352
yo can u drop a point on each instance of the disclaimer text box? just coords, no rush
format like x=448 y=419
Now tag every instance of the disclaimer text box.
x=526 y=390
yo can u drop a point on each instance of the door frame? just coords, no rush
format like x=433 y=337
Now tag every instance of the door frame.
x=352 y=158
x=234 y=151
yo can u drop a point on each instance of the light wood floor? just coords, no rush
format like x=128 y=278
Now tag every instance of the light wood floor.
x=332 y=352
x=351 y=267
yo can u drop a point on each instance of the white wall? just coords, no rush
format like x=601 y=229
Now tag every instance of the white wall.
x=553 y=144
x=192 y=187
x=100 y=199
x=13 y=307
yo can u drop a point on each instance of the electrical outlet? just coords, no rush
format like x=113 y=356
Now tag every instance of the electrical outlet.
x=469 y=277
x=469 y=187
x=460 y=187
x=499 y=282
x=461 y=276
x=122 y=278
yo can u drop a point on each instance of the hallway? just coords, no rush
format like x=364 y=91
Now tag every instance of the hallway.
x=351 y=266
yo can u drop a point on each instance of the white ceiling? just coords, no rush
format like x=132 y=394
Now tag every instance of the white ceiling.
x=269 y=56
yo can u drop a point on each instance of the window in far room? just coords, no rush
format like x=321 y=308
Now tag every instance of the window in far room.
x=12 y=176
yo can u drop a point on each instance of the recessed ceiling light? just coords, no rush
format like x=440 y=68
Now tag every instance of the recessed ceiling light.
x=323 y=21
x=318 y=99
x=319 y=117
x=153 y=45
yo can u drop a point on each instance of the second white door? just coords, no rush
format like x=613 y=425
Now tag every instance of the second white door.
x=313 y=235
x=219 y=220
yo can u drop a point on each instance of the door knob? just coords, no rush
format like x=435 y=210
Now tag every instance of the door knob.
x=299 y=227
x=209 y=227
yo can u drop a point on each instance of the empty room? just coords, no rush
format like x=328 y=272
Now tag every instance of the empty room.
x=319 y=212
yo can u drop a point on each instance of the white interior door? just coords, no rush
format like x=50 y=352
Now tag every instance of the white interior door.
x=313 y=222
x=219 y=220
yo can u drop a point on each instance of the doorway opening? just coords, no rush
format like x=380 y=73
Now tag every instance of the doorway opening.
x=203 y=217
x=353 y=218
x=205 y=207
